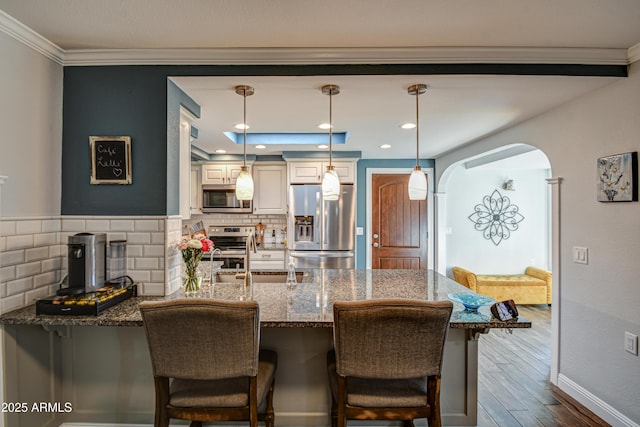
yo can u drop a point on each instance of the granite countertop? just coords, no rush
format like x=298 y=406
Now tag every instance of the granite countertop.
x=305 y=305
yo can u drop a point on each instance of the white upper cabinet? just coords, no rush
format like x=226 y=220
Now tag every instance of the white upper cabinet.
x=220 y=173
x=270 y=189
x=311 y=172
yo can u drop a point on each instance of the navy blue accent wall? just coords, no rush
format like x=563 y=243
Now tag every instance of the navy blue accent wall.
x=127 y=100
x=361 y=215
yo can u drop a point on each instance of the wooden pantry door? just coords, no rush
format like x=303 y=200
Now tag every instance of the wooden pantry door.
x=399 y=225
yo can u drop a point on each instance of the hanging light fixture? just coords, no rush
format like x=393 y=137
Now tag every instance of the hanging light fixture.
x=330 y=180
x=244 y=181
x=418 y=180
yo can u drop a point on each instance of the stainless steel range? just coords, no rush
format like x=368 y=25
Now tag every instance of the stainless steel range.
x=231 y=240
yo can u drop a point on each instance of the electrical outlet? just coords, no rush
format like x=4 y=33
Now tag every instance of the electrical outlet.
x=631 y=343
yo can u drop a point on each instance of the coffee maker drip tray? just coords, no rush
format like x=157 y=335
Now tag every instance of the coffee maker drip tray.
x=86 y=304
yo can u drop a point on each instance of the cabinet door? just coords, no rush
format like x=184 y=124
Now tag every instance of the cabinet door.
x=270 y=195
x=232 y=173
x=305 y=172
x=346 y=171
x=196 y=191
x=214 y=174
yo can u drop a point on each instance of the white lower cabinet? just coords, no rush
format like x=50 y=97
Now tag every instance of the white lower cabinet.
x=267 y=260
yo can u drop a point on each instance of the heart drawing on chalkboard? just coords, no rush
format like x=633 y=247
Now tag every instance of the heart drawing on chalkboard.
x=117 y=171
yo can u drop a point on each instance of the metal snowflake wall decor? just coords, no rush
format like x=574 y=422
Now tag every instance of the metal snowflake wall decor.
x=496 y=217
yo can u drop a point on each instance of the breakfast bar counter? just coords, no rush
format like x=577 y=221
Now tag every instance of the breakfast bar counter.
x=97 y=368
x=304 y=305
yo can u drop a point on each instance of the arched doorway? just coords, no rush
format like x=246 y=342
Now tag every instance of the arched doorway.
x=463 y=184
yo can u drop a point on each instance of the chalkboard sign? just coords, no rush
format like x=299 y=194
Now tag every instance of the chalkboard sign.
x=110 y=159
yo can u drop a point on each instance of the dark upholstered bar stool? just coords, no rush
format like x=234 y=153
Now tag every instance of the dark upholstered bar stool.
x=206 y=361
x=387 y=360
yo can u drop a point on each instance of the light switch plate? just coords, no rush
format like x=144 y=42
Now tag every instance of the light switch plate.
x=359 y=231
x=580 y=255
x=631 y=343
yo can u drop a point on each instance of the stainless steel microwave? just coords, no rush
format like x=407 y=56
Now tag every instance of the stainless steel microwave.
x=222 y=198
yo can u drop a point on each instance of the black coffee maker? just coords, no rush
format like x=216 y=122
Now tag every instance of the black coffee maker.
x=87 y=263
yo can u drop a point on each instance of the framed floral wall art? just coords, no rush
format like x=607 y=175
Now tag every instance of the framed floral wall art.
x=618 y=178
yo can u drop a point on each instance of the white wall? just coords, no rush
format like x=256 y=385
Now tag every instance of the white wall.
x=598 y=301
x=528 y=245
x=30 y=130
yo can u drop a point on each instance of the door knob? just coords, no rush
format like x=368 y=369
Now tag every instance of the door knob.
x=375 y=245
x=375 y=236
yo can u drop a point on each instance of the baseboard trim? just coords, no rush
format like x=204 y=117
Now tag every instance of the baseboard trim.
x=595 y=404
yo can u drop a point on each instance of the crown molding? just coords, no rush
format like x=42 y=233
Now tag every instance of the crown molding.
x=634 y=53
x=311 y=56
x=308 y=56
x=30 y=38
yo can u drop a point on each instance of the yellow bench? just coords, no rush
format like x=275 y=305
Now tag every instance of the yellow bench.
x=532 y=287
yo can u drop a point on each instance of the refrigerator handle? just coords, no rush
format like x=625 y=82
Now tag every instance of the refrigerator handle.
x=320 y=214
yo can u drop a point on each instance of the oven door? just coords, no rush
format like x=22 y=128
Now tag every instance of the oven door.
x=222 y=198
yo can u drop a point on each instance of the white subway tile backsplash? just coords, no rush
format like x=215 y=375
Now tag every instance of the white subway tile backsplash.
x=45 y=239
x=33 y=253
x=73 y=226
x=36 y=254
x=140 y=275
x=97 y=225
x=139 y=238
x=153 y=251
x=28 y=269
x=12 y=258
x=45 y=279
x=146 y=264
x=19 y=242
x=12 y=302
x=7 y=273
x=146 y=225
x=51 y=225
x=7 y=228
x=28 y=227
x=154 y=289
x=122 y=225
x=52 y=264
x=20 y=285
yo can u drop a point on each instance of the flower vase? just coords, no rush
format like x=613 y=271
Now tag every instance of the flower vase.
x=192 y=279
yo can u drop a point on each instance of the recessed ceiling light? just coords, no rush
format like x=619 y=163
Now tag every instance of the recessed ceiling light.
x=241 y=126
x=221 y=151
x=408 y=126
x=261 y=147
x=324 y=126
x=323 y=146
x=385 y=146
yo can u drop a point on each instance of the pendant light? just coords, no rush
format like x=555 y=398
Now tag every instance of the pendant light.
x=330 y=180
x=418 y=180
x=244 y=181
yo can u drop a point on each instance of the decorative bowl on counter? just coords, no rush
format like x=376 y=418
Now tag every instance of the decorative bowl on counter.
x=471 y=301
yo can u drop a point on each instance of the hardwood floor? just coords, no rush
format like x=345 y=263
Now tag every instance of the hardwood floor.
x=513 y=386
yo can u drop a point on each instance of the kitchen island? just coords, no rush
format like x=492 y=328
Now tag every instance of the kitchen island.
x=99 y=365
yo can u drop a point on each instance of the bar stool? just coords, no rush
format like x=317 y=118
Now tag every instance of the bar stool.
x=387 y=360
x=206 y=361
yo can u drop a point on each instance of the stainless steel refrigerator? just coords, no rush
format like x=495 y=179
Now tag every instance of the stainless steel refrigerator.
x=321 y=233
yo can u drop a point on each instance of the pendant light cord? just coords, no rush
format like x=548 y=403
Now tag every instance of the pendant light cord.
x=244 y=122
x=330 y=126
x=417 y=129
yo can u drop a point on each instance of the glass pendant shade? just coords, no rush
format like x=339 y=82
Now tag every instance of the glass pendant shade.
x=330 y=184
x=417 y=184
x=244 y=185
